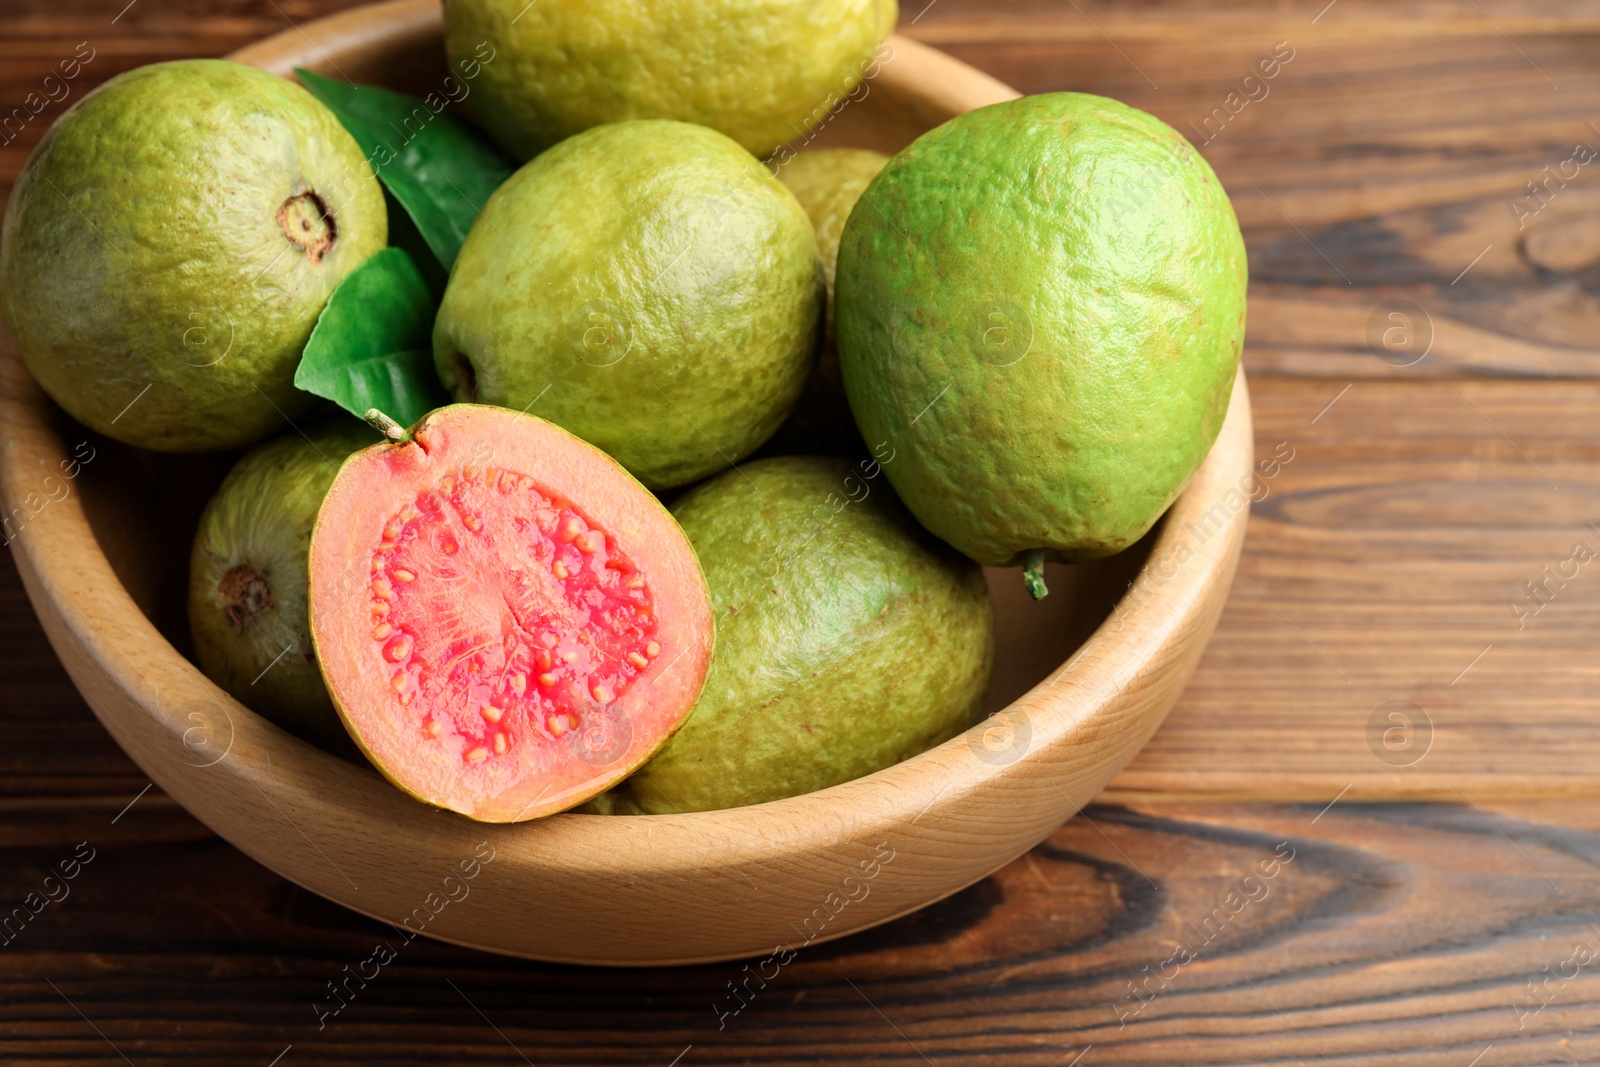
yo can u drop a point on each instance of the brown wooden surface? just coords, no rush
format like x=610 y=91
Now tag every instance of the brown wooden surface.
x=1423 y=910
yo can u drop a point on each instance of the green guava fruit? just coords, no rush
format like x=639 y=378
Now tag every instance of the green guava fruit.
x=646 y=285
x=248 y=579
x=169 y=245
x=507 y=622
x=847 y=638
x=827 y=182
x=761 y=71
x=1042 y=312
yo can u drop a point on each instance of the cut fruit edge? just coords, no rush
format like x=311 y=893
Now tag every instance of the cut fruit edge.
x=508 y=623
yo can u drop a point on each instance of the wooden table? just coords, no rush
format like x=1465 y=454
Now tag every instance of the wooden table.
x=1394 y=713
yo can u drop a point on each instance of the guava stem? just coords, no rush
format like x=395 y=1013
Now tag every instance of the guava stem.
x=386 y=426
x=1033 y=574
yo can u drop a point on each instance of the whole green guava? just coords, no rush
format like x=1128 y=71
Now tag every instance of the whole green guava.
x=847 y=638
x=646 y=285
x=169 y=245
x=248 y=579
x=761 y=71
x=1041 y=305
x=827 y=182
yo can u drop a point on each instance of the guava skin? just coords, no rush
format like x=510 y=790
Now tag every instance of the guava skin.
x=151 y=286
x=647 y=286
x=761 y=71
x=1043 y=313
x=248 y=579
x=847 y=638
x=827 y=182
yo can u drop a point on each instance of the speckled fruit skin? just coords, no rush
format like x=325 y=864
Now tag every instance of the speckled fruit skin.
x=760 y=71
x=1043 y=314
x=847 y=638
x=646 y=285
x=142 y=249
x=827 y=182
x=252 y=634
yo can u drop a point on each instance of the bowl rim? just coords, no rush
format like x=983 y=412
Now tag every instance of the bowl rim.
x=1087 y=718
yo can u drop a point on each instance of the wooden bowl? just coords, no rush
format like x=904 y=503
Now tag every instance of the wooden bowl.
x=1082 y=681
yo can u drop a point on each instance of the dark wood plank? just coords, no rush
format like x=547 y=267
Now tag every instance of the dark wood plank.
x=54 y=746
x=1387 y=568
x=1396 y=934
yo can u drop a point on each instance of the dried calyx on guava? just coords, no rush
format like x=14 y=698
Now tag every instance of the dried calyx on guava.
x=169 y=245
x=507 y=622
x=248 y=580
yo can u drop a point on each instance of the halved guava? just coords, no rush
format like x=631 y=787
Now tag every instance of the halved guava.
x=507 y=622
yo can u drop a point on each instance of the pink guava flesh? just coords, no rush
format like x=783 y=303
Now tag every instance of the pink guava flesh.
x=508 y=623
x=559 y=624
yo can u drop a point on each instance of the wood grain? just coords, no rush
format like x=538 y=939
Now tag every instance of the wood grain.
x=1395 y=141
x=1384 y=566
x=1344 y=954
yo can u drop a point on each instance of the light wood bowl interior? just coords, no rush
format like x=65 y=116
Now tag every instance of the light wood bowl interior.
x=1082 y=681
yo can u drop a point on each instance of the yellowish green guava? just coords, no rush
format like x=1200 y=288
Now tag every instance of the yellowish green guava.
x=169 y=245
x=847 y=638
x=1040 y=306
x=764 y=72
x=827 y=182
x=248 y=578
x=646 y=285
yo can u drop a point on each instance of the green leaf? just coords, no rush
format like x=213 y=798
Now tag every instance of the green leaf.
x=403 y=233
x=373 y=344
x=441 y=169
